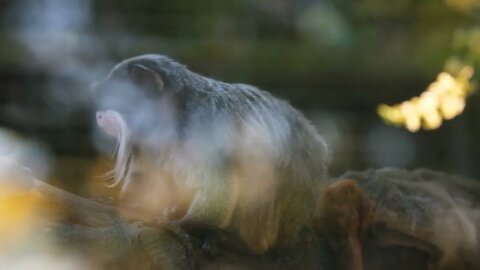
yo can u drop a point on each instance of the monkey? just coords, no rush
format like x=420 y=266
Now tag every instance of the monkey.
x=429 y=211
x=230 y=157
x=211 y=155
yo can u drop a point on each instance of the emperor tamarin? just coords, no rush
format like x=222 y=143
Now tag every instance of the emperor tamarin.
x=220 y=156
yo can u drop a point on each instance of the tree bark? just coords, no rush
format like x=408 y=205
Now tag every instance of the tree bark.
x=390 y=241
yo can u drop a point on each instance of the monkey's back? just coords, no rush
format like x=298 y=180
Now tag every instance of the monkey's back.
x=260 y=159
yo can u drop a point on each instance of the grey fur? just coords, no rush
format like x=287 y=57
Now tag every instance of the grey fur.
x=431 y=207
x=255 y=165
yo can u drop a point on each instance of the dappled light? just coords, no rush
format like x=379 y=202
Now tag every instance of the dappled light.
x=25 y=242
x=17 y=213
x=444 y=99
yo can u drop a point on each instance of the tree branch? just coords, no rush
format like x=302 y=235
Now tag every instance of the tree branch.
x=390 y=240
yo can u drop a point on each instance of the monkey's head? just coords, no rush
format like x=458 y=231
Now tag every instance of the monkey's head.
x=139 y=102
x=142 y=89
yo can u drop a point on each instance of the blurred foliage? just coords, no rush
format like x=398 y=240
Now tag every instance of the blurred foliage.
x=445 y=98
x=467 y=6
x=337 y=59
x=17 y=212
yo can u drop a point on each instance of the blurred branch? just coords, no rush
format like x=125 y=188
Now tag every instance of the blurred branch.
x=405 y=234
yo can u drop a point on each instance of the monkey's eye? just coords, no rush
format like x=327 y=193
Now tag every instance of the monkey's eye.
x=146 y=78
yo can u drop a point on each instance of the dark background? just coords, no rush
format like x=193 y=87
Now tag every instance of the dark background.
x=334 y=60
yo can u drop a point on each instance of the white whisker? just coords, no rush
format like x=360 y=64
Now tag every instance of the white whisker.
x=123 y=148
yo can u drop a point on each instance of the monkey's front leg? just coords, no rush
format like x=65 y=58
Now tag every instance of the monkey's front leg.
x=345 y=215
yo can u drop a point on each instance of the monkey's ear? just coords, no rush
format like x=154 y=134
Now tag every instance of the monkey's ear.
x=145 y=77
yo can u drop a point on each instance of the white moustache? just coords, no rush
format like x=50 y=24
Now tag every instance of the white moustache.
x=112 y=123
